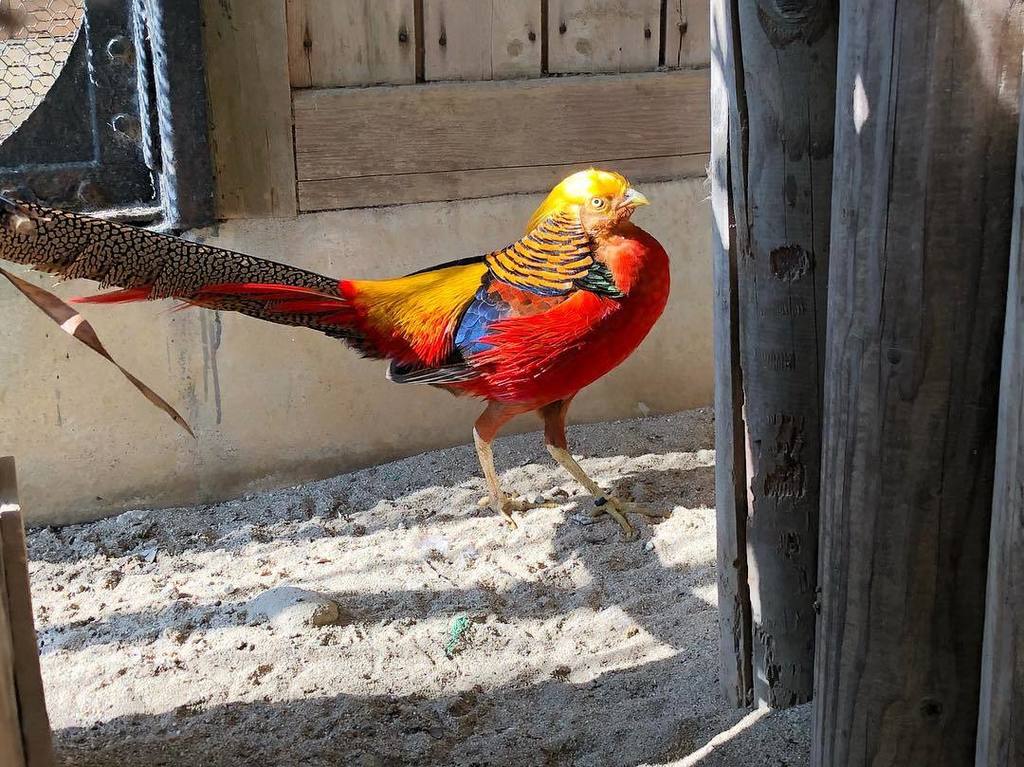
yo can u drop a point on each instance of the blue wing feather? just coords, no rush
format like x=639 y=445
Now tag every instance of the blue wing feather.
x=487 y=307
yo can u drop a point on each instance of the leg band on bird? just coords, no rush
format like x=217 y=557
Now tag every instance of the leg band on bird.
x=554 y=416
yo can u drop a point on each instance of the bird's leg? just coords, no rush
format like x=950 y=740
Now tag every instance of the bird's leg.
x=554 y=436
x=484 y=432
x=496 y=496
x=609 y=504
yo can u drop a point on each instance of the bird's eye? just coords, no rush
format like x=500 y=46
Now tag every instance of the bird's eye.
x=597 y=203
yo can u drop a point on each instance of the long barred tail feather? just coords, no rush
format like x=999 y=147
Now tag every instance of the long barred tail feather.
x=149 y=265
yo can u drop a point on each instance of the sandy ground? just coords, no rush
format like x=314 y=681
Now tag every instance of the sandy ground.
x=313 y=626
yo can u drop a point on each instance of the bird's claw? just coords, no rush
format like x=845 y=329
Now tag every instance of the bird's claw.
x=618 y=509
x=627 y=507
x=508 y=504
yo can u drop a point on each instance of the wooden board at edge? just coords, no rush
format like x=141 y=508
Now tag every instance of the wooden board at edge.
x=11 y=752
x=37 y=738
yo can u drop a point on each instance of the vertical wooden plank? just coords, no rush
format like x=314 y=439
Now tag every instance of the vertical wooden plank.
x=250 y=107
x=1001 y=713
x=37 y=740
x=481 y=39
x=730 y=461
x=351 y=42
x=457 y=39
x=787 y=114
x=11 y=752
x=926 y=130
x=603 y=35
x=687 y=33
x=515 y=38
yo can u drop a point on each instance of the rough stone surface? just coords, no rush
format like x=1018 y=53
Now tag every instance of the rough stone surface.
x=290 y=608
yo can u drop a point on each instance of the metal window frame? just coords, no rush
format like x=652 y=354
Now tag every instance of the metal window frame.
x=124 y=128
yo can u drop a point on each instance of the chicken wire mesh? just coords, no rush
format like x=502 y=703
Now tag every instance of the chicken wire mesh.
x=32 y=54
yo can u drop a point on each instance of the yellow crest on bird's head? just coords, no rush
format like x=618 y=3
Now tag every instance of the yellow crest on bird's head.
x=578 y=189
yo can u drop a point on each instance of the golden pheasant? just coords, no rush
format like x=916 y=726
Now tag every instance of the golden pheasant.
x=524 y=327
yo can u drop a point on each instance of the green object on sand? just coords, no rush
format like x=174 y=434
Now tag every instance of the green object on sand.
x=458 y=628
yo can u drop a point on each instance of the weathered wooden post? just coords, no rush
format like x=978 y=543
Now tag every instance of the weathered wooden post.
x=1001 y=715
x=927 y=109
x=773 y=99
x=25 y=739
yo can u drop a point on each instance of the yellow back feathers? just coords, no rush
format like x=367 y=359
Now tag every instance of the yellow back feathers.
x=578 y=189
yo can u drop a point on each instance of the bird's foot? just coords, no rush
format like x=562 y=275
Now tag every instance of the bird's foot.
x=618 y=509
x=506 y=504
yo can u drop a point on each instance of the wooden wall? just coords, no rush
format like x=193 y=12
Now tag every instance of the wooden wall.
x=470 y=98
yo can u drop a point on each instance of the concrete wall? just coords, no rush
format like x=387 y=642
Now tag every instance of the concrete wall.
x=273 y=405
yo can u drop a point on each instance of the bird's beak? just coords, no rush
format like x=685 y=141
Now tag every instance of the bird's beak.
x=633 y=199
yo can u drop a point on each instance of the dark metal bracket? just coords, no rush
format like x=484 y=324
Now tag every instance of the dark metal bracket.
x=124 y=127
